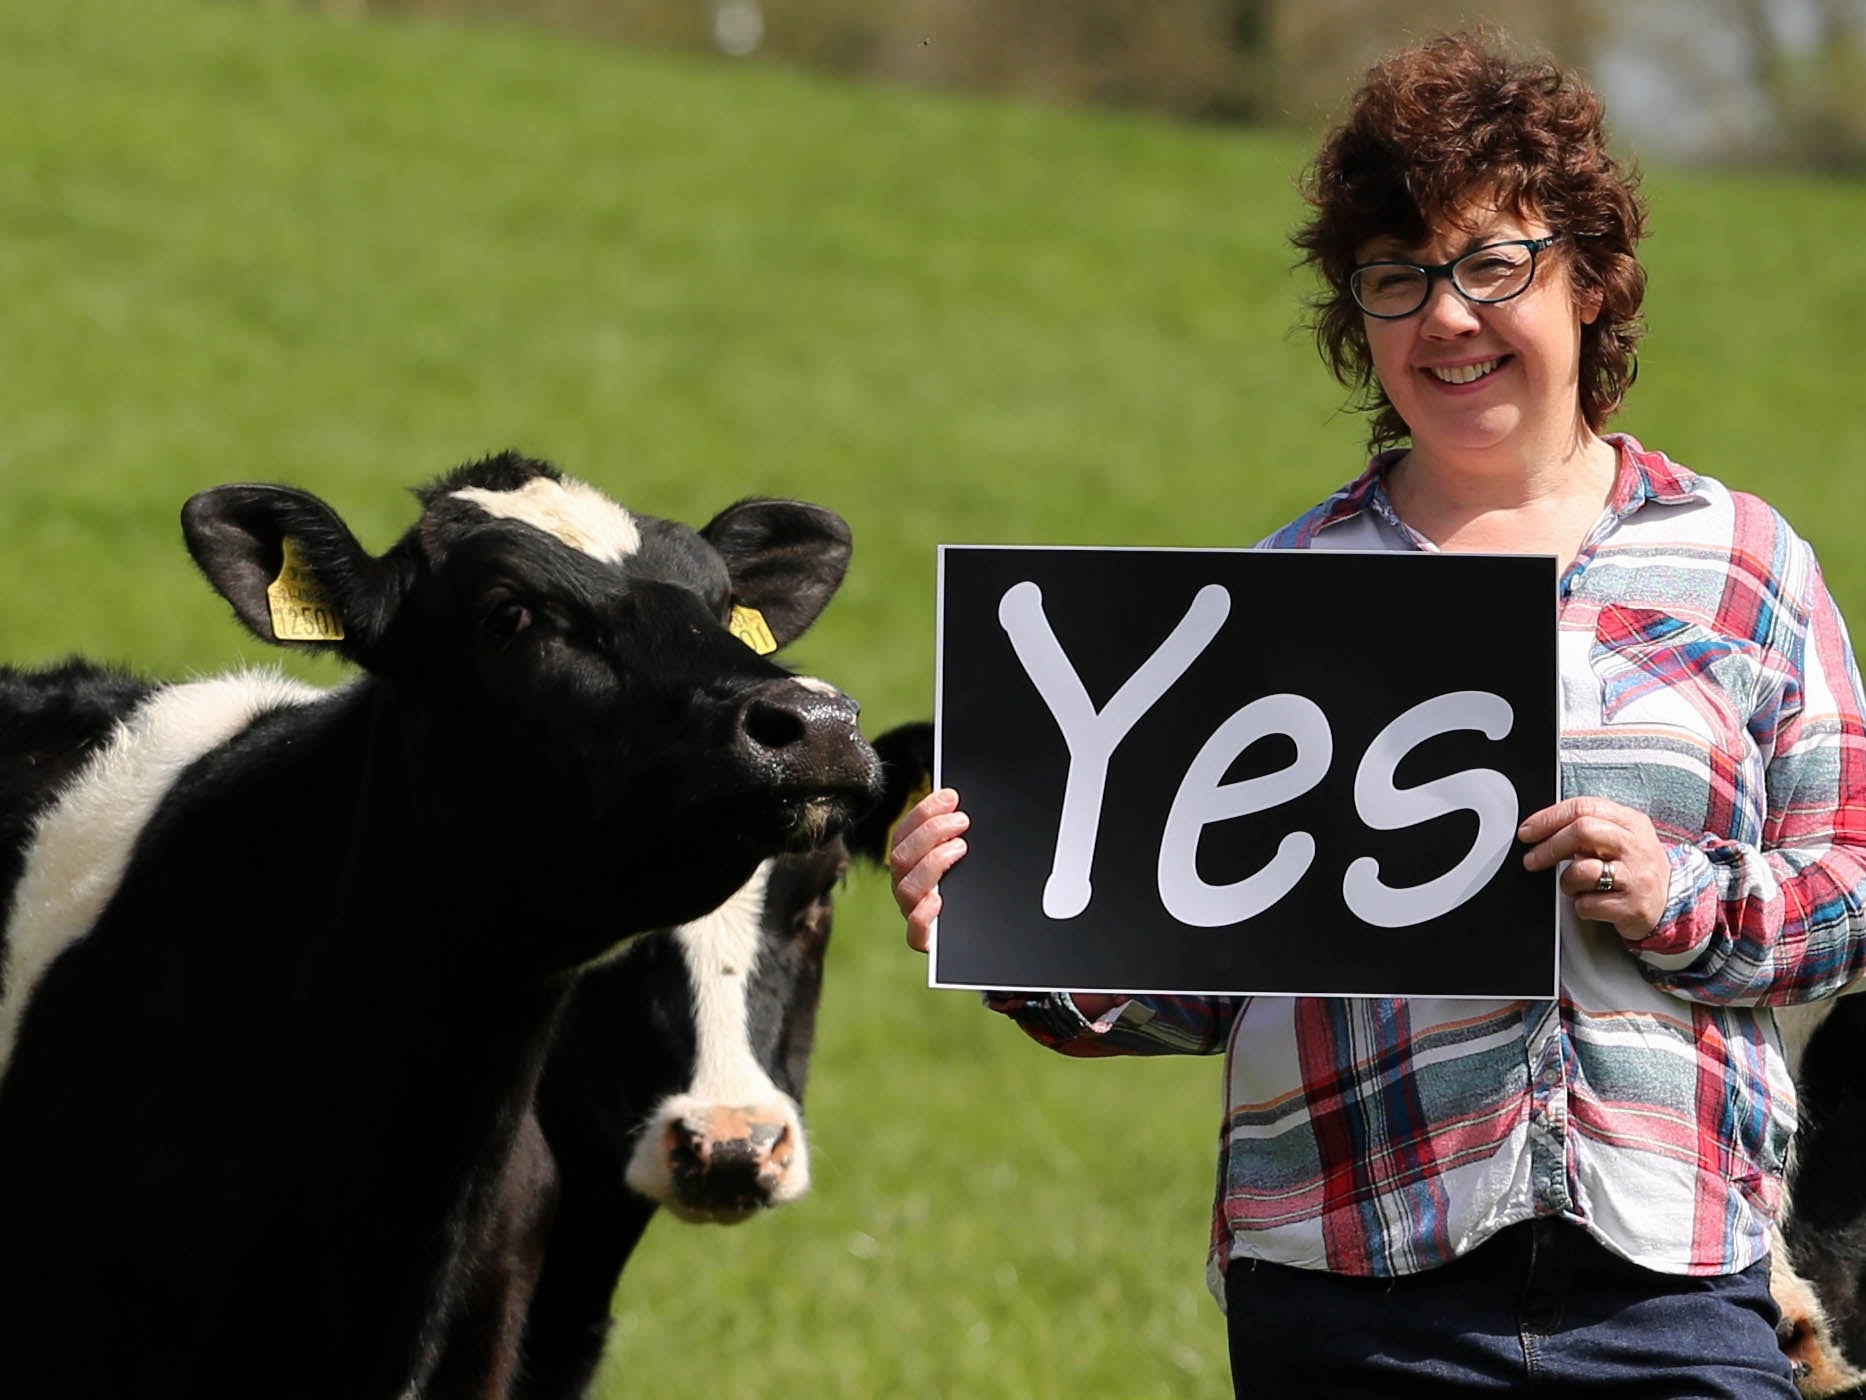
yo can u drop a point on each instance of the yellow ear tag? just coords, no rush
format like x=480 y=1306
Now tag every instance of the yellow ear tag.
x=301 y=609
x=748 y=625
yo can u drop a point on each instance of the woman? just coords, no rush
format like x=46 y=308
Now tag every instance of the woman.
x=1421 y=1196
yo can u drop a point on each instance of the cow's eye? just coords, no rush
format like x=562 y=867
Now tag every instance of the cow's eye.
x=507 y=619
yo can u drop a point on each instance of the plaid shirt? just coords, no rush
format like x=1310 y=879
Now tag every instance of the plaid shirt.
x=1706 y=680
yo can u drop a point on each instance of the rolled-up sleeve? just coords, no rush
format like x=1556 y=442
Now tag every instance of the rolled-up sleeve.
x=1783 y=920
x=1141 y=1025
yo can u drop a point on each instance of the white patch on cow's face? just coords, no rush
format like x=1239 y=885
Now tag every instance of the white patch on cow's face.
x=81 y=844
x=819 y=686
x=721 y=951
x=578 y=514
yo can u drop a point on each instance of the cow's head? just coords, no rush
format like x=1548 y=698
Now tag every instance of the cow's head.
x=570 y=664
x=682 y=1062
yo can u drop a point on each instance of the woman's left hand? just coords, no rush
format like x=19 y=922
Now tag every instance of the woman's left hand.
x=1617 y=871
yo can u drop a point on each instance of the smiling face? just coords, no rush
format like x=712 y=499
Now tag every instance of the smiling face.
x=1484 y=383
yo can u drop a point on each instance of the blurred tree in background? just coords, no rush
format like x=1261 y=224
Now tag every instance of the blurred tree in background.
x=1729 y=81
x=1781 y=81
x=1323 y=46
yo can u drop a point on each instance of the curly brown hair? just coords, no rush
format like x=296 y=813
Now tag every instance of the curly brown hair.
x=1434 y=132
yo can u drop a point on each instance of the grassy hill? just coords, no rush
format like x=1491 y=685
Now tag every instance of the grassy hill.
x=249 y=242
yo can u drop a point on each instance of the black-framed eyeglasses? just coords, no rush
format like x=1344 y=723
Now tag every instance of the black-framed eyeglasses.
x=1495 y=272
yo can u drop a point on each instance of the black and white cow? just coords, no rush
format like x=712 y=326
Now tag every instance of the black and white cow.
x=281 y=965
x=1819 y=1279
x=717 y=1134
x=676 y=1079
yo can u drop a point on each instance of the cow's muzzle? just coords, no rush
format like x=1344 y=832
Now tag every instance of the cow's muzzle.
x=802 y=736
x=721 y=1164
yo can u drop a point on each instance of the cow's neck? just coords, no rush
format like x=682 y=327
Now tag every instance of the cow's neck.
x=375 y=965
x=523 y=870
x=594 y=1231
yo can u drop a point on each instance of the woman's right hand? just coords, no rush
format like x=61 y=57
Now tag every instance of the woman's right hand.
x=926 y=845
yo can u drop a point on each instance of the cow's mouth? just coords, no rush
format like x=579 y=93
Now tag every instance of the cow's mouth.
x=809 y=818
x=713 y=1215
x=812 y=821
x=822 y=805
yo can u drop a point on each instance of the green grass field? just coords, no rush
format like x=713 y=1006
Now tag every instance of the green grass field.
x=248 y=242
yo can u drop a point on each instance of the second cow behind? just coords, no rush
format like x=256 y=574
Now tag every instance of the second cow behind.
x=676 y=1079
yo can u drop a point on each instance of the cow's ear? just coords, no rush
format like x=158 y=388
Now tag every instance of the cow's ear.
x=291 y=568
x=787 y=560
x=906 y=754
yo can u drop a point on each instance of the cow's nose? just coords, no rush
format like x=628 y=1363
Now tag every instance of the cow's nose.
x=802 y=735
x=790 y=713
x=728 y=1160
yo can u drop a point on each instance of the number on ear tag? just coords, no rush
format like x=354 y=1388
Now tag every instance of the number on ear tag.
x=301 y=609
x=748 y=625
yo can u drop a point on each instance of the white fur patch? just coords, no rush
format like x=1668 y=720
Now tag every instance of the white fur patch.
x=721 y=952
x=81 y=844
x=576 y=513
x=821 y=687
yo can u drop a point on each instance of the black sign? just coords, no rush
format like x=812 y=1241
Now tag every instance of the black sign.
x=1243 y=771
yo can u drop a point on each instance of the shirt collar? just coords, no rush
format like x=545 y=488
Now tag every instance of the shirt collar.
x=1366 y=492
x=1642 y=476
x=1649 y=476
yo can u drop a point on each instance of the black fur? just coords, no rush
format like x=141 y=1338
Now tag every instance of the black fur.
x=260 y=1112
x=51 y=722
x=1826 y=1226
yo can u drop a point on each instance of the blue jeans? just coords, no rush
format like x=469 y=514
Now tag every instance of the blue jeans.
x=1540 y=1308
